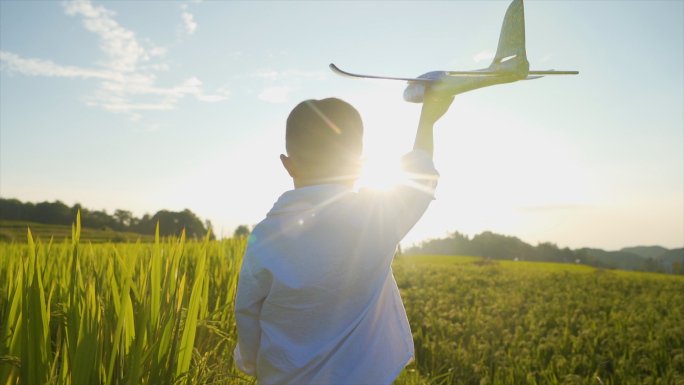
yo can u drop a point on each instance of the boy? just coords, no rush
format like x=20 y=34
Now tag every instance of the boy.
x=316 y=301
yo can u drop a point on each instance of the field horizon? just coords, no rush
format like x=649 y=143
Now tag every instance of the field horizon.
x=15 y=231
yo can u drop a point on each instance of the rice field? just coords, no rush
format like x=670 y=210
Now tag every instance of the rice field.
x=505 y=322
x=162 y=313
x=143 y=313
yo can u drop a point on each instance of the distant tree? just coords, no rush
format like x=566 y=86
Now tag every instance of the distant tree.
x=168 y=223
x=13 y=210
x=75 y=209
x=29 y=212
x=193 y=225
x=496 y=246
x=652 y=265
x=242 y=231
x=171 y=223
x=145 y=225
x=101 y=220
x=134 y=222
x=548 y=252
x=454 y=244
x=123 y=217
x=56 y=213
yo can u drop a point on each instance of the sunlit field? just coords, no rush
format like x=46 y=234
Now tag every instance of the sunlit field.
x=162 y=312
x=505 y=322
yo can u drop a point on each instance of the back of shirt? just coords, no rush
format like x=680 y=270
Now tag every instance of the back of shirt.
x=317 y=302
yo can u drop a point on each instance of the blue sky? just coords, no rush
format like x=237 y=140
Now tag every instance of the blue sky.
x=151 y=105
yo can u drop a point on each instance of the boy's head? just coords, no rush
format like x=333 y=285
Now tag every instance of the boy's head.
x=324 y=141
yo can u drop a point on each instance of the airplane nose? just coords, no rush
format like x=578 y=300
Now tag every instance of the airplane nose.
x=414 y=93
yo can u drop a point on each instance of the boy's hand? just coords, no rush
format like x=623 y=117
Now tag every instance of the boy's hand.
x=434 y=107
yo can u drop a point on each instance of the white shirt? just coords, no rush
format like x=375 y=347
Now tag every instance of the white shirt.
x=316 y=301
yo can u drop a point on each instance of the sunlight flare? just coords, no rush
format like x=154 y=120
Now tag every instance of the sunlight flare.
x=381 y=174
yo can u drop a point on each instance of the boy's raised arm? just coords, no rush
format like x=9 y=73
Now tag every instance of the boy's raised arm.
x=433 y=109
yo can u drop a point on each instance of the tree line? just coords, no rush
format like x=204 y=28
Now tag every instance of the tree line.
x=58 y=213
x=503 y=247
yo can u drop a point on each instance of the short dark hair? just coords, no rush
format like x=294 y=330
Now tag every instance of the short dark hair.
x=324 y=135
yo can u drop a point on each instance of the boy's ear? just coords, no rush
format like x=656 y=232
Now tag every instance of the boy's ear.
x=289 y=165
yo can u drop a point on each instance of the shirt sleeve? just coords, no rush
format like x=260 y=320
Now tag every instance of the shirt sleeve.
x=415 y=195
x=392 y=214
x=253 y=286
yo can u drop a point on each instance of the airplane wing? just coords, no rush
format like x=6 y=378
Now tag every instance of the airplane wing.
x=504 y=73
x=552 y=72
x=476 y=73
x=540 y=74
x=357 y=76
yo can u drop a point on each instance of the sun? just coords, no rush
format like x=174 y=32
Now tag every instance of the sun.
x=389 y=131
x=379 y=173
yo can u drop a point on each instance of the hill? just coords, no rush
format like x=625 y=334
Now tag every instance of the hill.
x=647 y=258
x=501 y=247
x=673 y=256
x=618 y=259
x=646 y=251
x=673 y=261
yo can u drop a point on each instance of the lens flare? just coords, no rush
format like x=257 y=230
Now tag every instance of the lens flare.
x=381 y=174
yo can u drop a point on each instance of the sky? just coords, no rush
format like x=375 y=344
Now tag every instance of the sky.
x=152 y=105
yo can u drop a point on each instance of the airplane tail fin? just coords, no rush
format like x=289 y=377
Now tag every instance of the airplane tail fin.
x=511 y=54
x=512 y=38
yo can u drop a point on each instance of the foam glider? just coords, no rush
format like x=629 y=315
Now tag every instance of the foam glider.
x=509 y=65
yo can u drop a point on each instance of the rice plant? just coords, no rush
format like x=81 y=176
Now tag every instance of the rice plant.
x=144 y=313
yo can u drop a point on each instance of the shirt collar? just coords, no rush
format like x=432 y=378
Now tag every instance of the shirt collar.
x=305 y=198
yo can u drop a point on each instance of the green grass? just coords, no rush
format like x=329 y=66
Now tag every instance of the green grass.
x=435 y=259
x=526 y=265
x=450 y=260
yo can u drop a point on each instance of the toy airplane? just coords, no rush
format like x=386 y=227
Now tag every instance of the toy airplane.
x=510 y=65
